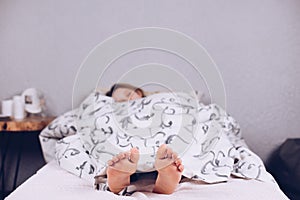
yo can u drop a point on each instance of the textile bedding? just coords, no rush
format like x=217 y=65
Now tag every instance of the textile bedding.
x=208 y=140
x=53 y=183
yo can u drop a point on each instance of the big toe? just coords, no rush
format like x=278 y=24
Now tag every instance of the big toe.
x=134 y=155
x=162 y=151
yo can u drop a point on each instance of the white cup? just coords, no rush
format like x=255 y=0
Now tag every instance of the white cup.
x=18 y=107
x=7 y=107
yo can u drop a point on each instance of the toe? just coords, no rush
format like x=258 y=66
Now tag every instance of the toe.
x=134 y=155
x=169 y=153
x=175 y=156
x=121 y=156
x=110 y=162
x=180 y=168
x=161 y=152
x=127 y=154
x=115 y=159
x=178 y=162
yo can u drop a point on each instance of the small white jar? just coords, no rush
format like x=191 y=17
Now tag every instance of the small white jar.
x=7 y=108
x=18 y=108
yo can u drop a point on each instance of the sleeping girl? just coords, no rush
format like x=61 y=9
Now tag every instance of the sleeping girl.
x=118 y=139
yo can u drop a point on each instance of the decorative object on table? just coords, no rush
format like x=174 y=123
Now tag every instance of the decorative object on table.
x=18 y=108
x=7 y=107
x=33 y=100
x=29 y=104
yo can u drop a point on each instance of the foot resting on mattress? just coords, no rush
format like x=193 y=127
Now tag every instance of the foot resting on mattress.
x=120 y=168
x=169 y=168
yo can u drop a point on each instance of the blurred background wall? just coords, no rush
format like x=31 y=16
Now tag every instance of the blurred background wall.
x=255 y=44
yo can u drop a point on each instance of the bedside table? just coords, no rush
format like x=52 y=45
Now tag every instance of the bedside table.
x=27 y=124
x=14 y=135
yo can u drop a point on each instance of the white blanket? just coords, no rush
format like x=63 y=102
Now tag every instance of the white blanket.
x=208 y=140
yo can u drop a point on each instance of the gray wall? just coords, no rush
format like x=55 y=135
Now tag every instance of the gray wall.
x=255 y=44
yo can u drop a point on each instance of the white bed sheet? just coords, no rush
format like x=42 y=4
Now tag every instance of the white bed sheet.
x=52 y=182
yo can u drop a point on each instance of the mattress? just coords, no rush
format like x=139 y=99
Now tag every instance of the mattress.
x=52 y=182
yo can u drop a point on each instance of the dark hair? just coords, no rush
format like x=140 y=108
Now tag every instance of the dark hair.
x=124 y=85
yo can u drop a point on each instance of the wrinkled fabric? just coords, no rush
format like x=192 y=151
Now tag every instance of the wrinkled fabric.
x=208 y=140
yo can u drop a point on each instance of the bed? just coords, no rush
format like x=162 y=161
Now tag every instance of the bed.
x=51 y=182
x=225 y=169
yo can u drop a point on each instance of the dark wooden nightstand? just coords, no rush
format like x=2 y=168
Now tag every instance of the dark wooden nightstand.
x=28 y=124
x=19 y=141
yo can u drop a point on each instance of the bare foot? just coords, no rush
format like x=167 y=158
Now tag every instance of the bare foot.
x=169 y=168
x=120 y=168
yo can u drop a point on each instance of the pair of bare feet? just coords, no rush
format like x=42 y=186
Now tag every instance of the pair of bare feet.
x=167 y=164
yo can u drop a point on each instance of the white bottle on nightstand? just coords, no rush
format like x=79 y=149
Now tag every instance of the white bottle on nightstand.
x=7 y=107
x=18 y=108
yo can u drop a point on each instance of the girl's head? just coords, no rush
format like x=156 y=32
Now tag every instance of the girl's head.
x=124 y=92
